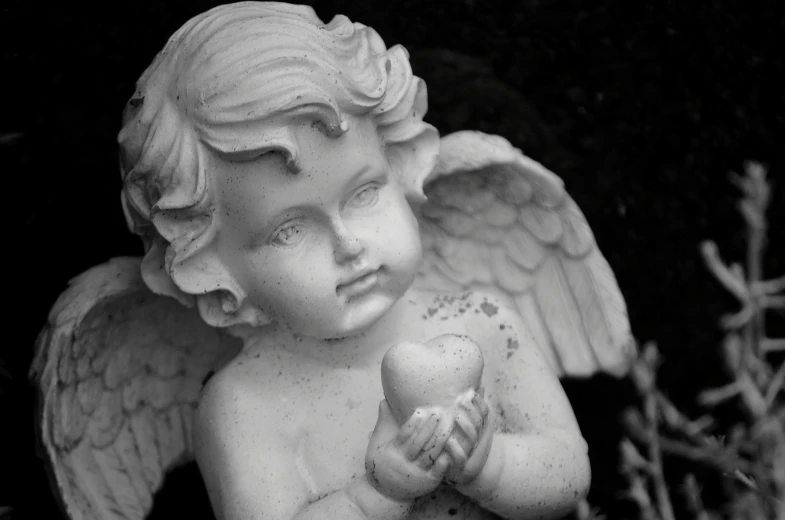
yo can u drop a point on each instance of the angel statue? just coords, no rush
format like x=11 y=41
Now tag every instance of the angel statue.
x=339 y=315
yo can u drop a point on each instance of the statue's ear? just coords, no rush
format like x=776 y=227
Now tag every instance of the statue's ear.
x=218 y=309
x=414 y=159
x=221 y=300
x=155 y=274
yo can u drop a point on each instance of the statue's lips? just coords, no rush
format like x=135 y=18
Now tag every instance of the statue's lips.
x=360 y=285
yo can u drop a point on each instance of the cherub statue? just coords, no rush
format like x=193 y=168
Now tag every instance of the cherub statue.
x=300 y=219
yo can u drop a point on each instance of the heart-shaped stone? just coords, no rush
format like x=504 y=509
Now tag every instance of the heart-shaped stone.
x=417 y=375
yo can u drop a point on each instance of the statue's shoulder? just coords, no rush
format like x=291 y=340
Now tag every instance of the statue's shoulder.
x=247 y=380
x=236 y=424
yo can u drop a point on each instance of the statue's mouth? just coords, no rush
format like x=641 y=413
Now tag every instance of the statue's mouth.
x=360 y=285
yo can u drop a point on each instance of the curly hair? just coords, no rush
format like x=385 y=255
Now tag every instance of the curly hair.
x=228 y=82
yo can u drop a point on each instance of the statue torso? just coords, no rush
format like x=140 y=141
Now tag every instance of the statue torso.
x=328 y=409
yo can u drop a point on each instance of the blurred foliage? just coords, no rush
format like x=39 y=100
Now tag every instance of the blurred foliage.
x=745 y=452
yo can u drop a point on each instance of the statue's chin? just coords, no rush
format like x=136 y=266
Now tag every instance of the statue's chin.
x=356 y=318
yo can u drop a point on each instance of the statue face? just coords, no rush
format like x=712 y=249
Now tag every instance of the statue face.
x=326 y=251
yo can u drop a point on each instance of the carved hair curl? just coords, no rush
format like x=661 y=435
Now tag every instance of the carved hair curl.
x=228 y=81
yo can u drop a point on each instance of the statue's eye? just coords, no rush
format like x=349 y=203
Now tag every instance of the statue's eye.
x=366 y=196
x=288 y=235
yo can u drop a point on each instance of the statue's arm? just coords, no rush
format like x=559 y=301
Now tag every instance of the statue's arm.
x=250 y=470
x=538 y=466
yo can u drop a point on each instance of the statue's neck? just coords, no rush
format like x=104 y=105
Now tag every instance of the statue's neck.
x=366 y=348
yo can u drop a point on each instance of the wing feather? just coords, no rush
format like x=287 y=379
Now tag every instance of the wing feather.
x=545 y=225
x=133 y=391
x=143 y=427
x=119 y=493
x=187 y=416
x=576 y=238
x=169 y=433
x=497 y=221
x=500 y=214
x=453 y=263
x=96 y=491
x=530 y=312
x=89 y=392
x=491 y=235
x=101 y=359
x=524 y=249
x=603 y=311
x=69 y=487
x=66 y=369
x=507 y=274
x=73 y=419
x=105 y=423
x=562 y=316
x=119 y=371
x=82 y=367
x=128 y=452
x=431 y=278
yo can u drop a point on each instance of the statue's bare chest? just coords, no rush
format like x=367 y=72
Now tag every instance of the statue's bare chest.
x=326 y=416
x=332 y=435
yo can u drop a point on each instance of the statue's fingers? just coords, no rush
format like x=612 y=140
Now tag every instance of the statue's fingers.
x=426 y=460
x=416 y=441
x=435 y=445
x=481 y=405
x=481 y=451
x=411 y=425
x=440 y=466
x=474 y=415
x=466 y=425
x=465 y=399
x=458 y=456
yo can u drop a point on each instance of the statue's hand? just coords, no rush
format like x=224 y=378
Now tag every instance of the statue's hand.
x=409 y=461
x=470 y=442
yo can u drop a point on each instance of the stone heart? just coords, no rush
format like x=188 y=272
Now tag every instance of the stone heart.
x=431 y=374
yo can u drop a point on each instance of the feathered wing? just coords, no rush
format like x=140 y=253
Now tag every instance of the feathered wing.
x=497 y=221
x=120 y=370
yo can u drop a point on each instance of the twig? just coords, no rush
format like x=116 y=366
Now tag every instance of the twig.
x=692 y=493
x=647 y=386
x=713 y=396
x=769 y=345
x=775 y=386
x=773 y=286
x=753 y=209
x=676 y=420
x=712 y=456
x=734 y=284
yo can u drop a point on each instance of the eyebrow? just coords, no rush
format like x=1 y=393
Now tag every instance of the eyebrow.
x=252 y=154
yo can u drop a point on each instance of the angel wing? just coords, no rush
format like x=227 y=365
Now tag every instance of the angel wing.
x=120 y=370
x=497 y=221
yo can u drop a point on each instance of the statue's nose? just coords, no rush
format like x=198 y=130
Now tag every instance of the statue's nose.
x=347 y=246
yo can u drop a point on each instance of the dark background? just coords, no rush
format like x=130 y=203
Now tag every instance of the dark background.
x=641 y=107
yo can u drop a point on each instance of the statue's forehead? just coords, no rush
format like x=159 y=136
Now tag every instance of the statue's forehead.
x=266 y=182
x=360 y=144
x=301 y=139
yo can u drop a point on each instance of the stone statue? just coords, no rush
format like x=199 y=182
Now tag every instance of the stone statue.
x=338 y=314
